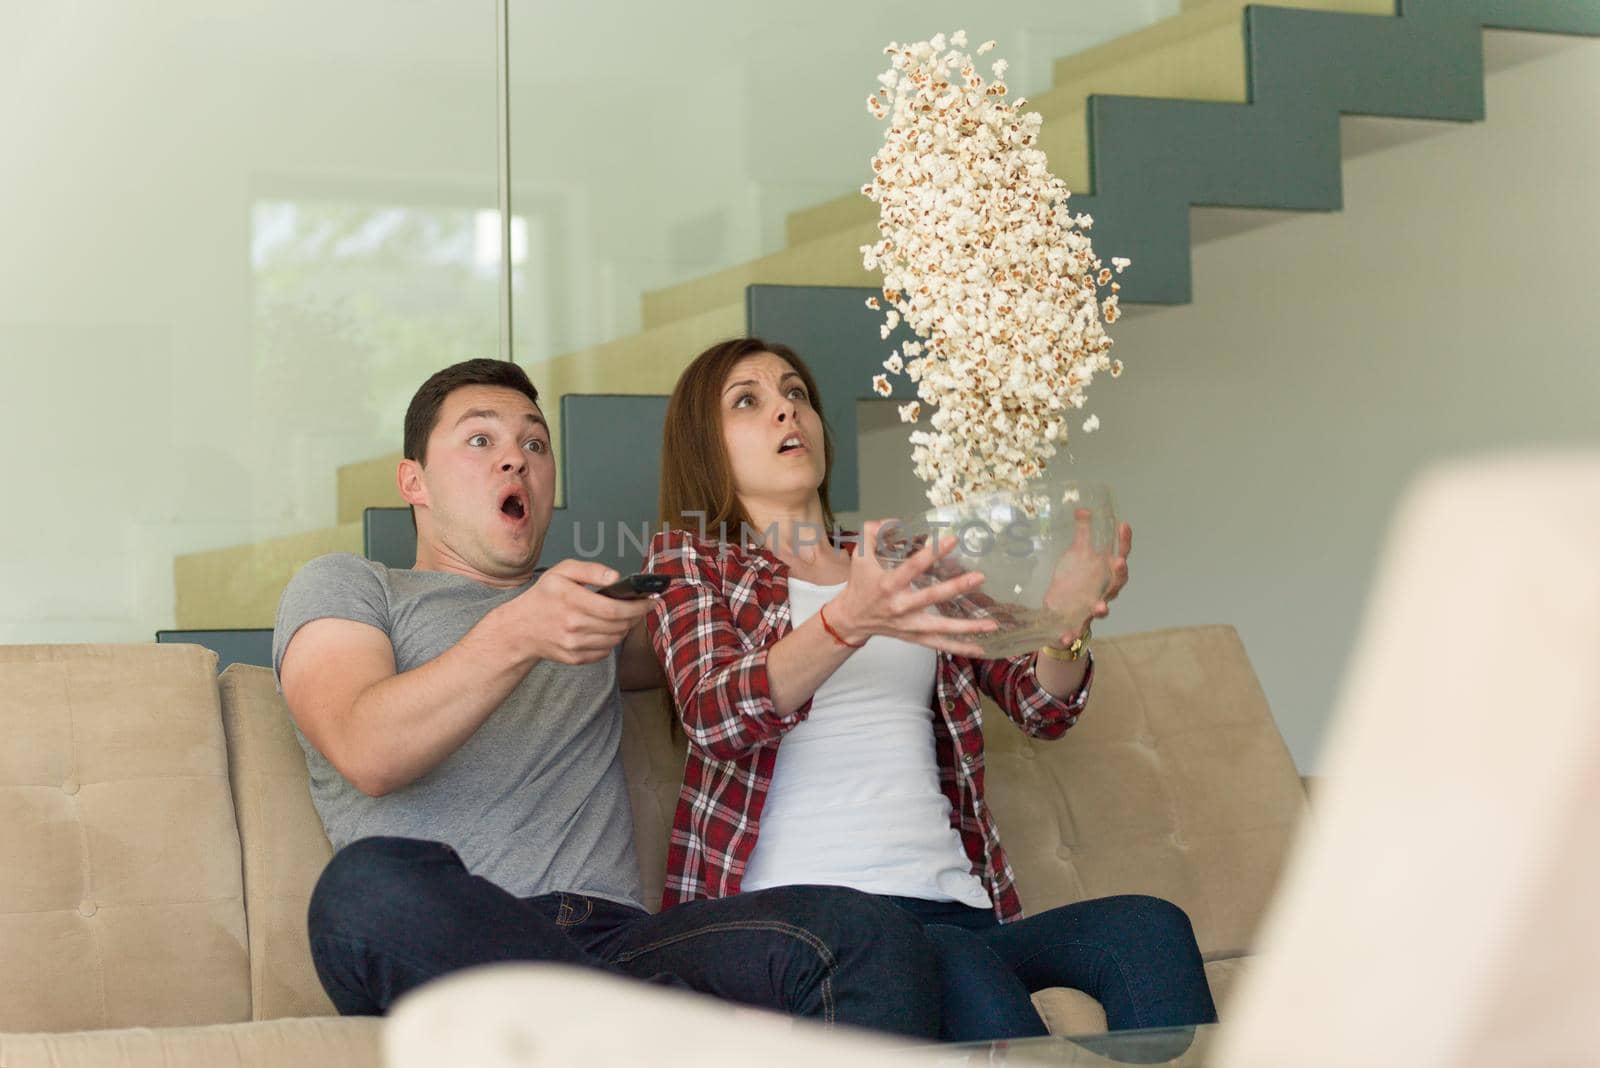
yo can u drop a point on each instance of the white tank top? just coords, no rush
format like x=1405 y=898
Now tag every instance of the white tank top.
x=855 y=798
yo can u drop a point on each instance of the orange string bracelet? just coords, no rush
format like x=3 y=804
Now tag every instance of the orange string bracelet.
x=822 y=614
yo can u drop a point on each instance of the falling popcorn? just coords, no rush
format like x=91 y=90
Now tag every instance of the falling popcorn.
x=984 y=262
x=1091 y=424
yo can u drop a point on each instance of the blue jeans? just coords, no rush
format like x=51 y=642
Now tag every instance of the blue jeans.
x=1135 y=955
x=389 y=914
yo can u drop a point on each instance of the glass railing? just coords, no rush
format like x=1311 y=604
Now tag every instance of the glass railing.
x=241 y=235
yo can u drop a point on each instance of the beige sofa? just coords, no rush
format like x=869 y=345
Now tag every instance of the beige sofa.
x=158 y=846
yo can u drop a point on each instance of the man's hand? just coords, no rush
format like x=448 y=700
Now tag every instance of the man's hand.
x=559 y=618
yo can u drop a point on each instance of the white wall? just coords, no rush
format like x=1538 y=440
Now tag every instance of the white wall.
x=1261 y=436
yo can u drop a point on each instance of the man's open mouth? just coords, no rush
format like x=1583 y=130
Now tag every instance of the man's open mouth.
x=514 y=506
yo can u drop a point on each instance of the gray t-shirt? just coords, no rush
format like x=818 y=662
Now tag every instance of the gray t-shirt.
x=535 y=801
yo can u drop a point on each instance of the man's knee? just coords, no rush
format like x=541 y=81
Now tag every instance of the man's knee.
x=370 y=872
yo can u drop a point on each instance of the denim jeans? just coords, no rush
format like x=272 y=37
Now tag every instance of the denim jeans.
x=1135 y=955
x=389 y=914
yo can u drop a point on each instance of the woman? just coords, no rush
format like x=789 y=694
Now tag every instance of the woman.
x=833 y=721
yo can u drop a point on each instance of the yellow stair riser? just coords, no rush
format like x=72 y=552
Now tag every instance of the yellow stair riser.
x=240 y=586
x=1196 y=55
x=830 y=261
x=369 y=484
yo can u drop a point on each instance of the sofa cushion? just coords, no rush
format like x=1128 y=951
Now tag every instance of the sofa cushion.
x=1175 y=782
x=652 y=759
x=355 y=1042
x=121 y=901
x=285 y=848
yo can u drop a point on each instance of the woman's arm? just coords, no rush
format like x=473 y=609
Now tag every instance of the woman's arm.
x=1045 y=694
x=731 y=698
x=1016 y=687
x=720 y=687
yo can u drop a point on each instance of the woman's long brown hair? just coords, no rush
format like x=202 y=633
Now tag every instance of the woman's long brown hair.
x=696 y=477
x=695 y=474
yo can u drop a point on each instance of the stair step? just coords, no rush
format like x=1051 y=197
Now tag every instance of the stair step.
x=834 y=260
x=240 y=586
x=1197 y=55
x=368 y=484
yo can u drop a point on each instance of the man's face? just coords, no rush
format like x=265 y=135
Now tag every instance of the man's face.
x=488 y=487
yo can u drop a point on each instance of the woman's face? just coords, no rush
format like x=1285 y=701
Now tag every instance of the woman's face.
x=772 y=434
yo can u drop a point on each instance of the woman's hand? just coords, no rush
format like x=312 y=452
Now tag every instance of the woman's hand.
x=1080 y=572
x=880 y=600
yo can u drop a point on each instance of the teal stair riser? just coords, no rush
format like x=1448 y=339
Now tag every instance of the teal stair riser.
x=1152 y=159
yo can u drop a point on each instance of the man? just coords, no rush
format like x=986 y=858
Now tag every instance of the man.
x=461 y=723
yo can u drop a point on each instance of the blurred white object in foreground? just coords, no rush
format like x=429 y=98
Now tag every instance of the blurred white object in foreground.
x=1440 y=906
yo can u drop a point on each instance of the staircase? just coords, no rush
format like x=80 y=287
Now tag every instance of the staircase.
x=1223 y=118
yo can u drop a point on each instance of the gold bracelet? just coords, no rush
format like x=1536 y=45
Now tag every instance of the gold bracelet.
x=1071 y=653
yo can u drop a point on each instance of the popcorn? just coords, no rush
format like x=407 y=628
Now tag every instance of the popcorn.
x=983 y=261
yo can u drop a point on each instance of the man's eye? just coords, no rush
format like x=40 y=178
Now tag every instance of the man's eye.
x=535 y=445
x=478 y=441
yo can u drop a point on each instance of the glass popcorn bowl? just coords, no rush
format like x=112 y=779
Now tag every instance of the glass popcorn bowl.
x=1045 y=553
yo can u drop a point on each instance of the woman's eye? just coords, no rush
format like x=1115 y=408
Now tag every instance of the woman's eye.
x=741 y=399
x=478 y=441
x=798 y=393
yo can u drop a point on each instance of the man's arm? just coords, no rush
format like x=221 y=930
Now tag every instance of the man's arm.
x=384 y=730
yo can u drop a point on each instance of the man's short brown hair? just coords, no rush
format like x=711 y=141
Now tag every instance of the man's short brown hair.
x=423 y=412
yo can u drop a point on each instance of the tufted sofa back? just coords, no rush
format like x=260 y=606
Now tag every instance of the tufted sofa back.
x=1174 y=782
x=121 y=902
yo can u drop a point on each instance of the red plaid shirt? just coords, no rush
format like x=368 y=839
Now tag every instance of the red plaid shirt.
x=712 y=629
